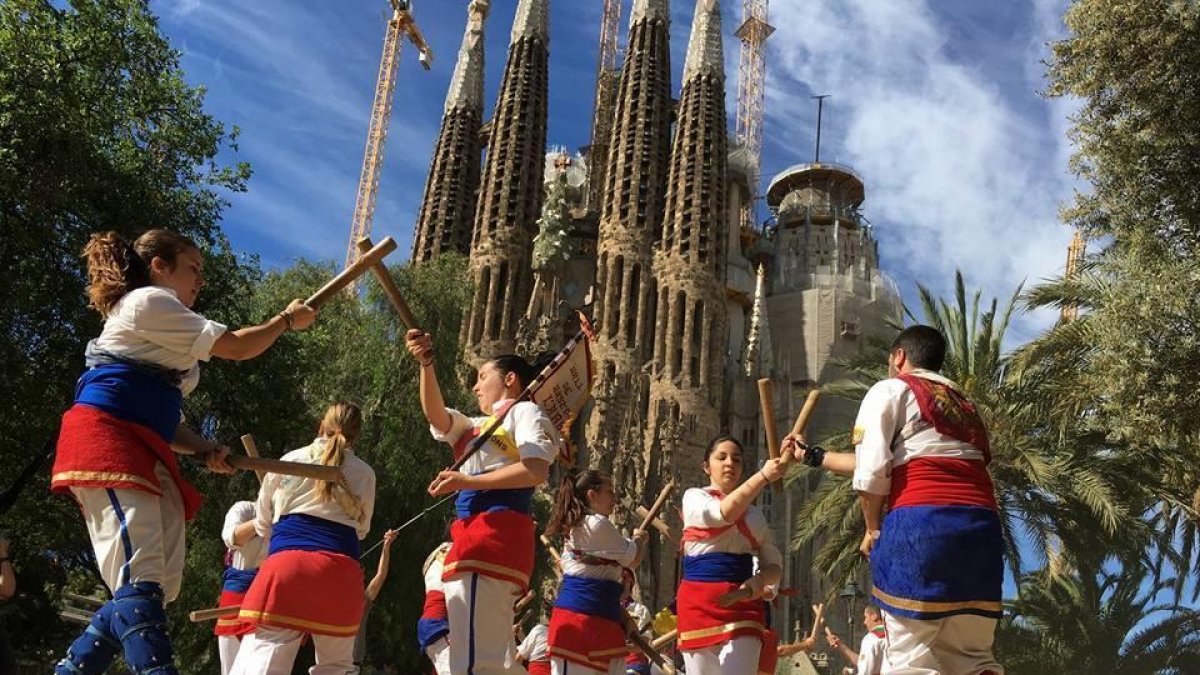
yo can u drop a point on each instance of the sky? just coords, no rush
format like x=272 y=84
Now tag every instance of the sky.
x=936 y=104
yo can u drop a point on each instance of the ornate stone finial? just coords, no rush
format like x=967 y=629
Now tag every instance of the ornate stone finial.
x=466 y=84
x=532 y=20
x=705 y=52
x=757 y=356
x=651 y=9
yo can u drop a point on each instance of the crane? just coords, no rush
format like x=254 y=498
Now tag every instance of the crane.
x=1075 y=254
x=752 y=78
x=400 y=26
x=608 y=73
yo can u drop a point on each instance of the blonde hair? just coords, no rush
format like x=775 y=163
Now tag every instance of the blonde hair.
x=341 y=428
x=116 y=267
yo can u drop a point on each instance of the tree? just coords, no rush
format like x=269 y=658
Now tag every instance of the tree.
x=1103 y=622
x=1062 y=490
x=98 y=131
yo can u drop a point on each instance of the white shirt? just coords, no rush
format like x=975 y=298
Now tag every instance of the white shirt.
x=597 y=536
x=889 y=432
x=150 y=324
x=533 y=647
x=247 y=556
x=433 y=575
x=701 y=509
x=640 y=615
x=870 y=655
x=282 y=495
x=526 y=433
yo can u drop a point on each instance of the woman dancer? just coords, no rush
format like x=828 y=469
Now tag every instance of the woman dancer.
x=117 y=444
x=723 y=532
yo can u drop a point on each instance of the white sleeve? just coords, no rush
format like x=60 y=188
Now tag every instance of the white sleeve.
x=701 y=509
x=459 y=424
x=534 y=433
x=368 y=504
x=525 y=650
x=605 y=541
x=870 y=656
x=879 y=418
x=264 y=507
x=162 y=319
x=239 y=513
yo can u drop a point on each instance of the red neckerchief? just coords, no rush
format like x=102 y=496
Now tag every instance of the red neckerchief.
x=706 y=533
x=949 y=412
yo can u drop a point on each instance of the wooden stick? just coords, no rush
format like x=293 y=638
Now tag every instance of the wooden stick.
x=553 y=554
x=658 y=524
x=735 y=596
x=658 y=504
x=84 y=599
x=665 y=639
x=819 y=614
x=252 y=451
x=645 y=647
x=806 y=412
x=215 y=613
x=523 y=602
x=354 y=271
x=389 y=286
x=314 y=471
x=766 y=403
x=76 y=615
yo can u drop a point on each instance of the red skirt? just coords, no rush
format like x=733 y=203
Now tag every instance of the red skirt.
x=539 y=667
x=768 y=658
x=704 y=623
x=232 y=626
x=96 y=449
x=314 y=592
x=590 y=641
x=497 y=544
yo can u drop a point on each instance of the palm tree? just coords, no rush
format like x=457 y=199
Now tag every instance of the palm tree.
x=1064 y=491
x=1106 y=622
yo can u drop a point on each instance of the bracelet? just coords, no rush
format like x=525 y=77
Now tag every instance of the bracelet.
x=760 y=472
x=814 y=455
x=425 y=364
x=287 y=317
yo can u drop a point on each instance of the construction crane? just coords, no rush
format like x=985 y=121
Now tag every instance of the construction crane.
x=607 y=76
x=399 y=27
x=752 y=79
x=1075 y=253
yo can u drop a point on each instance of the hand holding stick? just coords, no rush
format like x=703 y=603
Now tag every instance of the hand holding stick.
x=661 y=501
x=818 y=620
x=553 y=554
x=657 y=523
x=252 y=451
x=354 y=271
x=314 y=471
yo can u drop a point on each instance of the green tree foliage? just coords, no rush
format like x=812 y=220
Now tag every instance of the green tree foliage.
x=1104 y=622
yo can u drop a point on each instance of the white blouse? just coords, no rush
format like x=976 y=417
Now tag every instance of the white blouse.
x=597 y=536
x=151 y=325
x=701 y=509
x=283 y=495
x=526 y=433
x=247 y=556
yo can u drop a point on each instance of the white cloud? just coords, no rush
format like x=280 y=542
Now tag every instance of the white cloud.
x=961 y=171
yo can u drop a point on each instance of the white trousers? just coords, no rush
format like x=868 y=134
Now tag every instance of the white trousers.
x=227 y=648
x=439 y=653
x=560 y=666
x=480 y=611
x=137 y=536
x=955 y=645
x=272 y=651
x=739 y=655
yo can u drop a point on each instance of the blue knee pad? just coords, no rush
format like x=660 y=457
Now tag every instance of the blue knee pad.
x=93 y=651
x=140 y=623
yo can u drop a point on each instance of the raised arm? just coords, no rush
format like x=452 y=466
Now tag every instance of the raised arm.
x=381 y=571
x=736 y=503
x=420 y=345
x=247 y=343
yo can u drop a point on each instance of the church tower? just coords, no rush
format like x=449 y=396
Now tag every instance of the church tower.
x=631 y=216
x=510 y=194
x=689 y=266
x=448 y=207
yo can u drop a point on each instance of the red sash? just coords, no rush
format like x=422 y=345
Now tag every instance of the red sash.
x=496 y=544
x=949 y=412
x=539 y=667
x=435 y=605
x=706 y=533
x=768 y=658
x=941 y=481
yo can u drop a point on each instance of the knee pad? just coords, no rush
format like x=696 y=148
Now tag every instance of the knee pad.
x=140 y=623
x=93 y=651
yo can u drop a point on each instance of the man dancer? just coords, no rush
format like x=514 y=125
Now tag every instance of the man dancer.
x=936 y=559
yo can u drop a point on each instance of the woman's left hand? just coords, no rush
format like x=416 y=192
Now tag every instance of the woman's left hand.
x=447 y=482
x=215 y=460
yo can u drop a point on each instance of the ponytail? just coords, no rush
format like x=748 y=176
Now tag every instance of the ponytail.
x=116 y=267
x=570 y=503
x=341 y=428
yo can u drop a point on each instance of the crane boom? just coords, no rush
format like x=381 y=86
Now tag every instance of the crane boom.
x=752 y=78
x=607 y=76
x=399 y=27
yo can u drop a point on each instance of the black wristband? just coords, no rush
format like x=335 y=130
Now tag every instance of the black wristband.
x=814 y=455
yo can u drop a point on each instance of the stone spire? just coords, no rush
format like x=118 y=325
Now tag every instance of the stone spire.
x=689 y=266
x=448 y=206
x=631 y=208
x=510 y=193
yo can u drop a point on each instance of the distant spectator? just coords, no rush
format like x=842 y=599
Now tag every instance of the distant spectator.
x=869 y=658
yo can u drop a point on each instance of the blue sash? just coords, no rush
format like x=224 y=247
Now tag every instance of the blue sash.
x=594 y=597
x=302 y=532
x=237 y=581
x=471 y=502
x=430 y=631
x=730 y=567
x=937 y=561
x=133 y=394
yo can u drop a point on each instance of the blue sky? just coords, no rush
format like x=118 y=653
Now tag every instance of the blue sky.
x=936 y=104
